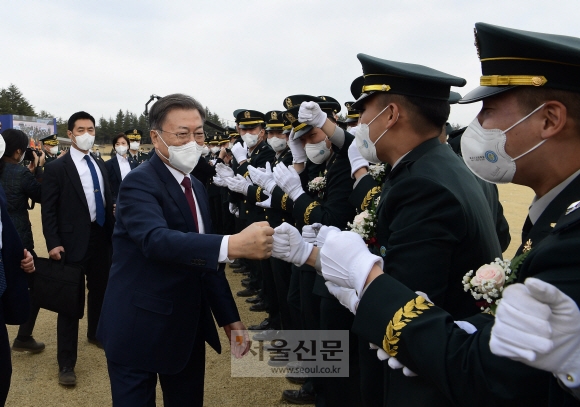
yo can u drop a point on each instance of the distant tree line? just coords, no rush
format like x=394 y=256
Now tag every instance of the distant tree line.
x=12 y=101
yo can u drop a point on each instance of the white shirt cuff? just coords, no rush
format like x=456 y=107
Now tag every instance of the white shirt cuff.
x=223 y=256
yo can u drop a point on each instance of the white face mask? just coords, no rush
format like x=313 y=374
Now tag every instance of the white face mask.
x=84 y=142
x=121 y=150
x=134 y=145
x=277 y=144
x=2 y=146
x=205 y=150
x=251 y=139
x=215 y=150
x=317 y=153
x=185 y=157
x=484 y=152
x=366 y=147
x=352 y=130
x=54 y=150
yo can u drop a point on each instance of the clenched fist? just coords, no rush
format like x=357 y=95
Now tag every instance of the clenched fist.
x=254 y=242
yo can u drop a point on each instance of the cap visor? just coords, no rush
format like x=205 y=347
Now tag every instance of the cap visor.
x=359 y=104
x=302 y=132
x=248 y=126
x=483 y=92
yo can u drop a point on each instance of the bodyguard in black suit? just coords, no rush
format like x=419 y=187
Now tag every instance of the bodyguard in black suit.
x=119 y=165
x=14 y=302
x=77 y=219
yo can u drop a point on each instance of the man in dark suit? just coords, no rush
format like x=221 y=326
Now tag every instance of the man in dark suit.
x=77 y=219
x=167 y=277
x=120 y=164
x=14 y=303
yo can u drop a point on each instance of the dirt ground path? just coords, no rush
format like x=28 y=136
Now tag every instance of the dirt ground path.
x=34 y=380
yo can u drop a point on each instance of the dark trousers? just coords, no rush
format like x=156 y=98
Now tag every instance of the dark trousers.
x=294 y=297
x=96 y=265
x=269 y=293
x=215 y=209
x=27 y=327
x=340 y=391
x=282 y=272
x=134 y=387
x=372 y=380
x=309 y=303
x=5 y=360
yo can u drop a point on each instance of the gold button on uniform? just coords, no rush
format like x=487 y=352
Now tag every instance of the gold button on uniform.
x=246 y=212
x=266 y=217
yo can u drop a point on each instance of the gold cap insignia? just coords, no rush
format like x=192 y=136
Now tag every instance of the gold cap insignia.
x=347 y=106
x=476 y=43
x=274 y=116
x=290 y=117
x=247 y=114
x=322 y=97
x=288 y=103
x=135 y=131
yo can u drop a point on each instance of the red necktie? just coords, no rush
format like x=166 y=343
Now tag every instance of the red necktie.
x=189 y=196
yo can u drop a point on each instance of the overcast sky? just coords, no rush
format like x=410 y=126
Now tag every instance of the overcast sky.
x=100 y=56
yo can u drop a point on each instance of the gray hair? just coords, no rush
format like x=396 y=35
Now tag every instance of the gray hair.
x=175 y=101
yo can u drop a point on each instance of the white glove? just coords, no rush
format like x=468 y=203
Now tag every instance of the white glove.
x=289 y=245
x=395 y=364
x=263 y=177
x=346 y=296
x=240 y=152
x=356 y=160
x=238 y=184
x=311 y=114
x=224 y=171
x=233 y=208
x=309 y=232
x=213 y=161
x=346 y=260
x=288 y=180
x=267 y=203
x=321 y=237
x=297 y=149
x=219 y=181
x=539 y=325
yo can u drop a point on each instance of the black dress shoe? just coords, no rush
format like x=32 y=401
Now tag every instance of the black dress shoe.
x=28 y=346
x=298 y=397
x=254 y=300
x=245 y=280
x=245 y=284
x=265 y=324
x=259 y=307
x=67 y=376
x=268 y=334
x=295 y=379
x=248 y=292
x=235 y=264
x=241 y=270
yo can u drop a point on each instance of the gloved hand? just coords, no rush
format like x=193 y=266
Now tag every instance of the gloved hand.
x=539 y=325
x=311 y=114
x=346 y=260
x=267 y=203
x=395 y=364
x=240 y=152
x=234 y=209
x=289 y=245
x=224 y=171
x=213 y=161
x=321 y=237
x=288 y=180
x=263 y=177
x=309 y=232
x=238 y=184
x=346 y=296
x=219 y=181
x=297 y=149
x=356 y=160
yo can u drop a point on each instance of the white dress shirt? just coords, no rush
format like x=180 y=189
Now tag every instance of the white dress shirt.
x=123 y=166
x=224 y=247
x=87 y=180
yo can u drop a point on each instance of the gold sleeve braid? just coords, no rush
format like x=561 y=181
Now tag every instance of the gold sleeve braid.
x=308 y=211
x=258 y=192
x=370 y=195
x=402 y=317
x=284 y=200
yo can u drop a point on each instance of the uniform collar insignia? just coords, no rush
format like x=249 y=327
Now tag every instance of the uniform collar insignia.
x=572 y=207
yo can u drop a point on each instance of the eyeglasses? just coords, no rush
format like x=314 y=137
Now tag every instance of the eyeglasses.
x=199 y=135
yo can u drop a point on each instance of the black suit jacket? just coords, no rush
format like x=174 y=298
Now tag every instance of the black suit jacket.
x=114 y=171
x=66 y=219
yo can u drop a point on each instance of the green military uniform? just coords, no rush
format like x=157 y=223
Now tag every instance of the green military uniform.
x=425 y=339
x=134 y=135
x=50 y=141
